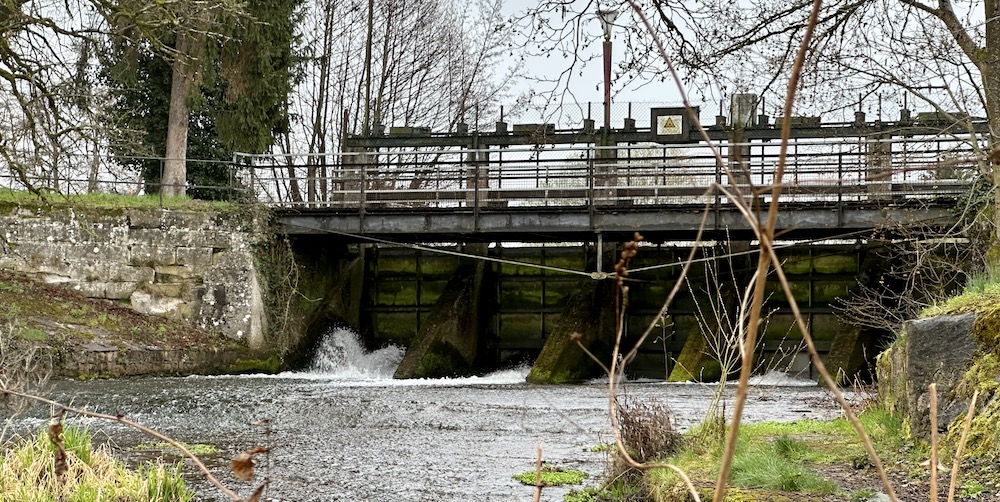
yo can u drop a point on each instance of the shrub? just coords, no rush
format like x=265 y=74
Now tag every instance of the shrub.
x=646 y=428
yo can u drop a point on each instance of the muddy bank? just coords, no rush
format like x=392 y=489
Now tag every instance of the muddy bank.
x=74 y=336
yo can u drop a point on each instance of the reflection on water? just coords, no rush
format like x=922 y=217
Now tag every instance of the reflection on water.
x=345 y=431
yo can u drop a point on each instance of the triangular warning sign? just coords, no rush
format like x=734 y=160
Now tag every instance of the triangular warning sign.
x=669 y=124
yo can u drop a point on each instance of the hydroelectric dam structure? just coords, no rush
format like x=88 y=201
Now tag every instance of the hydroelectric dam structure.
x=478 y=249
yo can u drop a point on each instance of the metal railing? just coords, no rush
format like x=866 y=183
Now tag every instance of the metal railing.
x=847 y=170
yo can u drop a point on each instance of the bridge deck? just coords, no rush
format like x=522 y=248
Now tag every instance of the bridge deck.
x=540 y=193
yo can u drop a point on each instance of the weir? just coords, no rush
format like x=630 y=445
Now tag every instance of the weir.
x=547 y=208
x=526 y=293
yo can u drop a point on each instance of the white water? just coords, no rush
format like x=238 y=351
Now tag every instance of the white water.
x=342 y=358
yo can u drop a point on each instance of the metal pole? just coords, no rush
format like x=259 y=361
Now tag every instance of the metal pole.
x=607 y=85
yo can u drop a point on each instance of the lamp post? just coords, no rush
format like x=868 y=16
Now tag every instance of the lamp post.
x=607 y=17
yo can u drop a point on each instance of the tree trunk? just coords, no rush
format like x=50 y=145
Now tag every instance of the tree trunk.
x=989 y=69
x=174 y=179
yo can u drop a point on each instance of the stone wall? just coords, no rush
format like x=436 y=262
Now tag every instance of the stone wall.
x=191 y=265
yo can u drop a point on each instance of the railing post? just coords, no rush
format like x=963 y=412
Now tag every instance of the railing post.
x=475 y=193
x=363 y=193
x=590 y=186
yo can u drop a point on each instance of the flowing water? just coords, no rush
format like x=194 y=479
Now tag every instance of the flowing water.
x=344 y=430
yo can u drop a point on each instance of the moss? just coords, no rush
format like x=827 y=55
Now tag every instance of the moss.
x=441 y=359
x=199 y=449
x=552 y=476
x=694 y=363
x=97 y=376
x=270 y=365
x=33 y=334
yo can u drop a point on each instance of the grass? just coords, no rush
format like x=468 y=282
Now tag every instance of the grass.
x=981 y=292
x=93 y=475
x=199 y=449
x=776 y=459
x=111 y=201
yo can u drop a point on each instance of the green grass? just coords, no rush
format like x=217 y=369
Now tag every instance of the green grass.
x=33 y=334
x=777 y=466
x=111 y=201
x=981 y=291
x=777 y=458
x=93 y=475
x=198 y=449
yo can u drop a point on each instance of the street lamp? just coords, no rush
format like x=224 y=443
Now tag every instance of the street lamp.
x=607 y=17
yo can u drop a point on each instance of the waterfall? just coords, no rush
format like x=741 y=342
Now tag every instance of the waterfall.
x=341 y=354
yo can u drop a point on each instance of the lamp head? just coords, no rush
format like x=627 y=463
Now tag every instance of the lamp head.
x=607 y=18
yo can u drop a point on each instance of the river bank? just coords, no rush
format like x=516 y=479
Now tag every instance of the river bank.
x=73 y=336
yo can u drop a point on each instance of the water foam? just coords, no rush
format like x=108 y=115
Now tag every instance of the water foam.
x=342 y=356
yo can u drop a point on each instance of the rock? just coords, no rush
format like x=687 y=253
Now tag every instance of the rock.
x=937 y=350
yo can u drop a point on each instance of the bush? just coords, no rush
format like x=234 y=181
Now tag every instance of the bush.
x=646 y=428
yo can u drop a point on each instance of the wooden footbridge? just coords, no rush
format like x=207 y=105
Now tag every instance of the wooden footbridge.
x=545 y=185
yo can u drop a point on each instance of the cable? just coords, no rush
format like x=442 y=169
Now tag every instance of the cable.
x=593 y=275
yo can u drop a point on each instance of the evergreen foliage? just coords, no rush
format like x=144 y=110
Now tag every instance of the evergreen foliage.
x=240 y=103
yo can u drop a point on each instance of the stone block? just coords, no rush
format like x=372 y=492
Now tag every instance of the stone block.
x=144 y=218
x=134 y=274
x=191 y=220
x=152 y=255
x=90 y=289
x=167 y=290
x=172 y=274
x=119 y=290
x=198 y=258
x=147 y=303
x=939 y=350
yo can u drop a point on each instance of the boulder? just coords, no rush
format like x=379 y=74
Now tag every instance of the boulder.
x=935 y=350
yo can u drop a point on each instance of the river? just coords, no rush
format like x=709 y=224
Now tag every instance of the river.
x=344 y=430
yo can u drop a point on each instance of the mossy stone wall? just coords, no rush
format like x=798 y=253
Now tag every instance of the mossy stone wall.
x=196 y=266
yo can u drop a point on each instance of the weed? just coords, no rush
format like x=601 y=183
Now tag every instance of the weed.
x=765 y=467
x=862 y=495
x=33 y=334
x=972 y=490
x=8 y=287
x=646 y=428
x=199 y=449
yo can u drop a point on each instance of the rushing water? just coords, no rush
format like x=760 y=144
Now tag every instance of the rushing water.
x=344 y=430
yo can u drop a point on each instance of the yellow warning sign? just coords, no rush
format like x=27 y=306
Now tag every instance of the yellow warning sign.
x=669 y=125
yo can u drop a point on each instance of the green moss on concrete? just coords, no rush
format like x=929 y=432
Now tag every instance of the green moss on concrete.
x=588 y=320
x=441 y=359
x=835 y=264
x=448 y=340
x=272 y=364
x=694 y=362
x=437 y=266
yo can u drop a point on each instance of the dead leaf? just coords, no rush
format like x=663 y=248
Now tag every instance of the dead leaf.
x=255 y=497
x=242 y=464
x=59 y=463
